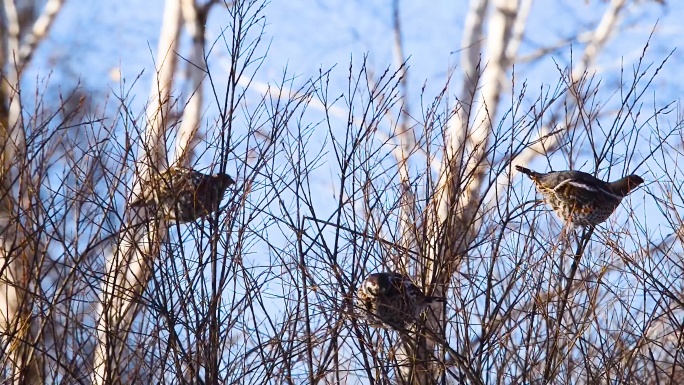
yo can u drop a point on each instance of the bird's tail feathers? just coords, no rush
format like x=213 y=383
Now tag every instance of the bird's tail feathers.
x=527 y=171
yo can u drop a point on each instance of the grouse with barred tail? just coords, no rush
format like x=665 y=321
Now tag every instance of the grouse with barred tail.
x=183 y=194
x=392 y=300
x=579 y=197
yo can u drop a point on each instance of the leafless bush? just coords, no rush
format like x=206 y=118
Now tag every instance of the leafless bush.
x=333 y=186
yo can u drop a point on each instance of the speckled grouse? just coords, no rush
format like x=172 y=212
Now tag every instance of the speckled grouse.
x=183 y=194
x=392 y=300
x=580 y=197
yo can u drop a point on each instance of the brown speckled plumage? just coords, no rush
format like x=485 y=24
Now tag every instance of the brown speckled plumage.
x=183 y=194
x=579 y=197
x=391 y=300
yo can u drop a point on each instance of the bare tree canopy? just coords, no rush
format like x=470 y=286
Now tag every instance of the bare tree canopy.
x=382 y=192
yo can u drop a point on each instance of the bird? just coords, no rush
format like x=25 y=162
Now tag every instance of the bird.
x=581 y=198
x=392 y=300
x=183 y=194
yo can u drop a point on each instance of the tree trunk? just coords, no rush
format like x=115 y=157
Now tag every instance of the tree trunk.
x=18 y=249
x=128 y=266
x=453 y=222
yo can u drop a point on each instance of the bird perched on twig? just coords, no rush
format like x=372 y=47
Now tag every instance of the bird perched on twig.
x=392 y=300
x=579 y=197
x=183 y=194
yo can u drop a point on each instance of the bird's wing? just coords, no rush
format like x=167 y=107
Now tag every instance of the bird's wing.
x=398 y=284
x=405 y=286
x=203 y=182
x=177 y=179
x=556 y=178
x=198 y=178
x=582 y=190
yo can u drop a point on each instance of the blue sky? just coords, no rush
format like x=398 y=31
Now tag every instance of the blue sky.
x=96 y=37
x=92 y=39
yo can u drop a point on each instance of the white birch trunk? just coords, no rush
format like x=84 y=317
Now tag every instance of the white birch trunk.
x=18 y=261
x=454 y=224
x=192 y=112
x=128 y=267
x=402 y=153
